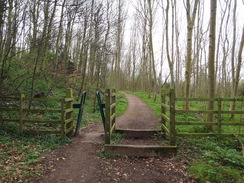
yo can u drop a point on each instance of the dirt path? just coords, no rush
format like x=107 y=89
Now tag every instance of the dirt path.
x=137 y=116
x=81 y=161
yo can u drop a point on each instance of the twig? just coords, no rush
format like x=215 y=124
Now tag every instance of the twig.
x=240 y=143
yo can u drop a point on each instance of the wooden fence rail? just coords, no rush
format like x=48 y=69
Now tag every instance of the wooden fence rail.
x=64 y=124
x=110 y=109
x=172 y=123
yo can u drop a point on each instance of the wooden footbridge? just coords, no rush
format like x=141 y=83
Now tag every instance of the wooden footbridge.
x=142 y=145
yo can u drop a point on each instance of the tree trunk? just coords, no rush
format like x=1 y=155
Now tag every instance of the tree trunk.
x=170 y=61
x=190 y=25
x=211 y=59
x=238 y=70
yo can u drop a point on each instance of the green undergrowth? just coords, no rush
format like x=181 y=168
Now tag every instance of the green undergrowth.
x=121 y=104
x=210 y=159
x=213 y=159
x=21 y=154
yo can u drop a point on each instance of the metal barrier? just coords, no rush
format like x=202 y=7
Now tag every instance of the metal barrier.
x=108 y=118
x=81 y=107
x=101 y=107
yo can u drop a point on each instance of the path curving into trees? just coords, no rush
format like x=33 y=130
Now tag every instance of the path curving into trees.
x=137 y=116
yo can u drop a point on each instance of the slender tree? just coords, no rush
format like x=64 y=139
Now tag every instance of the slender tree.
x=211 y=60
x=190 y=25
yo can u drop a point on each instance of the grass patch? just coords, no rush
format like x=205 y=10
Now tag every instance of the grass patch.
x=204 y=171
x=121 y=104
x=116 y=138
x=212 y=159
x=20 y=154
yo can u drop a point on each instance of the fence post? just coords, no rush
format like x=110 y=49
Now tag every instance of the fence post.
x=162 y=108
x=21 y=112
x=114 y=108
x=219 y=116
x=69 y=115
x=62 y=118
x=172 y=135
x=107 y=116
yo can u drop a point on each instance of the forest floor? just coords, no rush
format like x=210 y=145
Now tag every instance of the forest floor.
x=84 y=161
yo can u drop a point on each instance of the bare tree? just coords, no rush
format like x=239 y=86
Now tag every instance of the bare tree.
x=190 y=25
x=211 y=60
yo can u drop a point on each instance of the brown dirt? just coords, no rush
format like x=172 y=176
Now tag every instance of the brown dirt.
x=81 y=161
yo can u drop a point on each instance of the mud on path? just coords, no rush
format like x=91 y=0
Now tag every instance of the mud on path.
x=81 y=161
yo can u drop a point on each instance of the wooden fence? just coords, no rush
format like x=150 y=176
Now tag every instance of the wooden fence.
x=30 y=118
x=170 y=120
x=110 y=109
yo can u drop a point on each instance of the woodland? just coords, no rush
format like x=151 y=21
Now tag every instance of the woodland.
x=193 y=46
x=92 y=45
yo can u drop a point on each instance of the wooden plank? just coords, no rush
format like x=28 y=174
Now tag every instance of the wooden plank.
x=113 y=105
x=232 y=112
x=196 y=111
x=164 y=128
x=231 y=99
x=68 y=120
x=21 y=113
x=68 y=130
x=232 y=124
x=195 y=134
x=172 y=134
x=166 y=118
x=44 y=99
x=41 y=121
x=163 y=110
x=9 y=120
x=194 y=123
x=62 y=119
x=112 y=128
x=138 y=133
x=42 y=110
x=113 y=94
x=165 y=106
x=9 y=109
x=140 y=150
x=113 y=109
x=196 y=99
x=68 y=99
x=9 y=98
x=205 y=123
x=219 y=116
x=207 y=99
x=205 y=134
x=107 y=117
x=112 y=117
x=69 y=110
x=36 y=131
